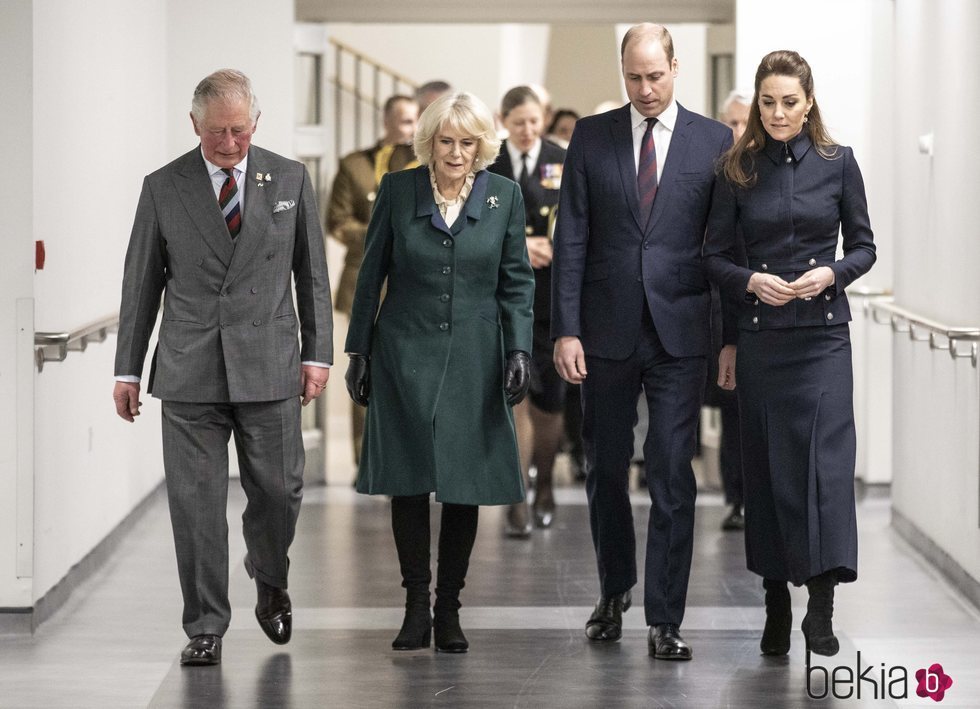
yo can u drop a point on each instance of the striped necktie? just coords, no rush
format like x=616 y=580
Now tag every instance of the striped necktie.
x=646 y=175
x=229 y=200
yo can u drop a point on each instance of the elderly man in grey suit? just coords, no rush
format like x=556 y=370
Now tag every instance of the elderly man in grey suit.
x=222 y=233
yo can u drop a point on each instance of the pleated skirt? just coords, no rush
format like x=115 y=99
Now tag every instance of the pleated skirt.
x=795 y=391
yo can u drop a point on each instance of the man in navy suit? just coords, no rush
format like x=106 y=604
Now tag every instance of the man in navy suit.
x=630 y=311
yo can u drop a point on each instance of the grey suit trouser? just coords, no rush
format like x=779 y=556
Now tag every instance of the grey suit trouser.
x=269 y=441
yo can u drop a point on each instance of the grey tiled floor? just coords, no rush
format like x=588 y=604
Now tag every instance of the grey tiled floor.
x=115 y=643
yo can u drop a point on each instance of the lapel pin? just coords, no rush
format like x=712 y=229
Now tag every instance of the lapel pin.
x=493 y=201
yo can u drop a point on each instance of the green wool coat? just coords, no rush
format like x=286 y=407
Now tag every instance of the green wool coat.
x=458 y=298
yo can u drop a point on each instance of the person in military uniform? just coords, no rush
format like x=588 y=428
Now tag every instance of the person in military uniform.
x=536 y=165
x=352 y=199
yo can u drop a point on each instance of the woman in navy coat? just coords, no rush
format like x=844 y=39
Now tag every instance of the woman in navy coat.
x=791 y=191
x=442 y=359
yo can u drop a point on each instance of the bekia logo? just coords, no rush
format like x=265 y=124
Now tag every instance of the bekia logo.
x=874 y=682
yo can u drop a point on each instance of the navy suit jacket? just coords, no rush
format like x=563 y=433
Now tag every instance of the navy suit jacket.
x=608 y=264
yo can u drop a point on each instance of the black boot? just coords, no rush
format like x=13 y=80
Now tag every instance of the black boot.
x=818 y=628
x=456 y=538
x=410 y=524
x=779 y=618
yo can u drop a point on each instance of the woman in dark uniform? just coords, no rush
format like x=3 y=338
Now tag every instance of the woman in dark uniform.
x=791 y=191
x=443 y=359
x=536 y=165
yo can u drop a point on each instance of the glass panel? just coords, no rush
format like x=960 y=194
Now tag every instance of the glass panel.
x=308 y=67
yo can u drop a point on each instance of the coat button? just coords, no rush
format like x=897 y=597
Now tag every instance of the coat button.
x=830 y=316
x=646 y=245
x=447 y=242
x=755 y=321
x=789 y=159
x=446 y=270
x=254 y=290
x=765 y=267
x=756 y=302
x=444 y=326
x=444 y=297
x=812 y=262
x=826 y=296
x=256 y=322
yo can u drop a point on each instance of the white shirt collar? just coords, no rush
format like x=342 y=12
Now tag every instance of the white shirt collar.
x=667 y=117
x=515 y=156
x=241 y=167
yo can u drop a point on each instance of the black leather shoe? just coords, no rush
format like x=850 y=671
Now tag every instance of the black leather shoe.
x=202 y=650
x=544 y=514
x=734 y=520
x=666 y=643
x=274 y=612
x=606 y=622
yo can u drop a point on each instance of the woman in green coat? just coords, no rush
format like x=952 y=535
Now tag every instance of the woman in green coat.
x=442 y=359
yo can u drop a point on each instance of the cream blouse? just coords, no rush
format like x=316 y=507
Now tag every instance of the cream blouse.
x=450 y=208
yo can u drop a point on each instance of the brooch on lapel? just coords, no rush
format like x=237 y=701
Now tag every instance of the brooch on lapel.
x=262 y=179
x=493 y=201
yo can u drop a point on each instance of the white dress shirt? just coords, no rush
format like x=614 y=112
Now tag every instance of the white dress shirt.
x=518 y=164
x=663 y=129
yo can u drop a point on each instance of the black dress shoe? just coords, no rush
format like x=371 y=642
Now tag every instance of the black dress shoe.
x=666 y=643
x=606 y=622
x=544 y=514
x=202 y=650
x=274 y=612
x=733 y=520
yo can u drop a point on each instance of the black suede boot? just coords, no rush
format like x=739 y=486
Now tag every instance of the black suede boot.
x=779 y=618
x=818 y=628
x=456 y=537
x=410 y=524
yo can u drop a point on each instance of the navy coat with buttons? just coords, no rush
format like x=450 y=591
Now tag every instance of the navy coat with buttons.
x=790 y=220
x=458 y=298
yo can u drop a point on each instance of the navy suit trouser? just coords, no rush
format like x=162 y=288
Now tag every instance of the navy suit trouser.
x=674 y=389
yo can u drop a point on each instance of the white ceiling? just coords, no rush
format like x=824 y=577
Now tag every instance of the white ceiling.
x=516 y=11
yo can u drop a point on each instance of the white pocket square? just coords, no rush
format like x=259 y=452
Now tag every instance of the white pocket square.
x=283 y=206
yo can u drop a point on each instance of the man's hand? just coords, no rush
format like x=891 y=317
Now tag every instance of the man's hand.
x=570 y=359
x=539 y=251
x=314 y=381
x=726 y=367
x=127 y=398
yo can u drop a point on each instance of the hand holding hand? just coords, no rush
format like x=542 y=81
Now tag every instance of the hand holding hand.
x=358 y=379
x=127 y=398
x=539 y=251
x=813 y=282
x=770 y=289
x=517 y=376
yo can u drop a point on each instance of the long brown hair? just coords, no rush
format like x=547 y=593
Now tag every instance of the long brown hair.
x=738 y=163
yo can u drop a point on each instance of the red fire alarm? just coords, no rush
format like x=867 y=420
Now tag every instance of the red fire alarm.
x=38 y=255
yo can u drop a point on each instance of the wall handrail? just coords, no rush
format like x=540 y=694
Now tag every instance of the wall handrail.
x=394 y=74
x=940 y=336
x=55 y=346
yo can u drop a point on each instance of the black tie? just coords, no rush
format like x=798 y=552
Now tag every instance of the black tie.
x=524 y=177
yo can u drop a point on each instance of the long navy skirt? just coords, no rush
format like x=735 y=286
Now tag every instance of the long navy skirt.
x=795 y=390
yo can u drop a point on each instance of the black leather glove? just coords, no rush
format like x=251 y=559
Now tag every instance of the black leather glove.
x=517 y=376
x=358 y=379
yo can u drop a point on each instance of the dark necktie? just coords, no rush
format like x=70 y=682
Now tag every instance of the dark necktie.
x=525 y=176
x=230 y=202
x=646 y=175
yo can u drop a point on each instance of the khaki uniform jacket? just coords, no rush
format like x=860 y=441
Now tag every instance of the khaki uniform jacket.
x=351 y=201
